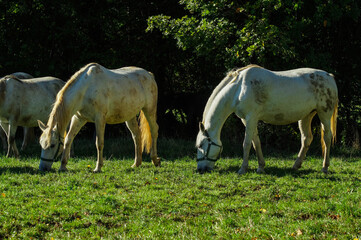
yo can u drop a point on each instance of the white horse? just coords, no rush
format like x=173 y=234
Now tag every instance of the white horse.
x=23 y=102
x=28 y=132
x=256 y=94
x=103 y=96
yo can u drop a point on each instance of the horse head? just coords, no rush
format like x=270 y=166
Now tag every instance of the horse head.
x=208 y=152
x=52 y=144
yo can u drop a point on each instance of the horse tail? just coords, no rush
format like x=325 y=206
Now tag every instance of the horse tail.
x=333 y=129
x=146 y=136
x=334 y=123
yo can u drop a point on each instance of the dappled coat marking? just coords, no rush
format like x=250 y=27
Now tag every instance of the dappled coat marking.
x=24 y=102
x=103 y=96
x=257 y=94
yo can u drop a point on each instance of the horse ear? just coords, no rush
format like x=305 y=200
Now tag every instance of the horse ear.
x=42 y=126
x=201 y=127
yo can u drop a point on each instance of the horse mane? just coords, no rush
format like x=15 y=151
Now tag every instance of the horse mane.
x=230 y=77
x=58 y=115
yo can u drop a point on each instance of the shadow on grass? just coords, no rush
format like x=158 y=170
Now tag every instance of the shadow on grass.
x=281 y=172
x=274 y=171
x=19 y=170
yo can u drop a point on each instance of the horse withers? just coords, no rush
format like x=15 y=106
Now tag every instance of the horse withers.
x=24 y=102
x=257 y=94
x=103 y=96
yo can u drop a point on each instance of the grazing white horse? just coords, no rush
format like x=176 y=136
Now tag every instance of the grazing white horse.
x=23 y=102
x=257 y=94
x=103 y=96
x=28 y=132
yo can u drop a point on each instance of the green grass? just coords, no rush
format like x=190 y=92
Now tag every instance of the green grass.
x=175 y=202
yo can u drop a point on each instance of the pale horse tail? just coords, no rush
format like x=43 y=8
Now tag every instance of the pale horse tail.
x=146 y=136
x=333 y=129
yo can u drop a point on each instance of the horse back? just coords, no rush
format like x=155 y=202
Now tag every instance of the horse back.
x=286 y=96
x=26 y=101
x=43 y=85
x=118 y=94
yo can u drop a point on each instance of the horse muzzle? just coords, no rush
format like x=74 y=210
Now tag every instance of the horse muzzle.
x=205 y=166
x=45 y=166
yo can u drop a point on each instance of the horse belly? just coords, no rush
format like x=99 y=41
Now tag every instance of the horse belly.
x=124 y=109
x=123 y=113
x=284 y=116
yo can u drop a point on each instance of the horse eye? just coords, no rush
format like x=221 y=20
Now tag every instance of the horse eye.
x=52 y=145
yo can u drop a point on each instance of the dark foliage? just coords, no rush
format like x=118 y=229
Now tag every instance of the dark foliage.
x=189 y=46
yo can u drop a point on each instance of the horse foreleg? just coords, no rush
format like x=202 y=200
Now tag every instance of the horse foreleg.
x=4 y=140
x=99 y=142
x=11 y=141
x=134 y=130
x=256 y=142
x=257 y=147
x=306 y=139
x=251 y=128
x=75 y=126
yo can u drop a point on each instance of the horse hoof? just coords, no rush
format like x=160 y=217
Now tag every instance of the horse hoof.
x=135 y=165
x=63 y=169
x=260 y=171
x=242 y=171
x=97 y=170
x=324 y=170
x=156 y=161
x=296 y=166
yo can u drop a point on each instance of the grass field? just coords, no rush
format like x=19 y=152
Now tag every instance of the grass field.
x=175 y=202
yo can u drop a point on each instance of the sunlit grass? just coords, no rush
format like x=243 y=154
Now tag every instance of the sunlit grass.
x=175 y=202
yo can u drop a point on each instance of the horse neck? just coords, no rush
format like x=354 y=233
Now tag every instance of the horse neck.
x=217 y=114
x=215 y=92
x=71 y=102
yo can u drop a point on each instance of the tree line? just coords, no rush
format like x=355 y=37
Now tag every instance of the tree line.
x=190 y=45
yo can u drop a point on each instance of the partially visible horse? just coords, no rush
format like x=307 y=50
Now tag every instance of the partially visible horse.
x=103 y=96
x=23 y=102
x=256 y=94
x=28 y=132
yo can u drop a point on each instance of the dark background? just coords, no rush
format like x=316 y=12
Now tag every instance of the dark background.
x=190 y=46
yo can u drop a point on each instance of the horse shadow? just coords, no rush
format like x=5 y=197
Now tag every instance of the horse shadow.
x=273 y=171
x=19 y=170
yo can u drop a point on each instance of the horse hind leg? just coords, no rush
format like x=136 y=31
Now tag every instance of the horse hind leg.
x=257 y=147
x=306 y=139
x=326 y=138
x=12 y=142
x=134 y=130
x=28 y=137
